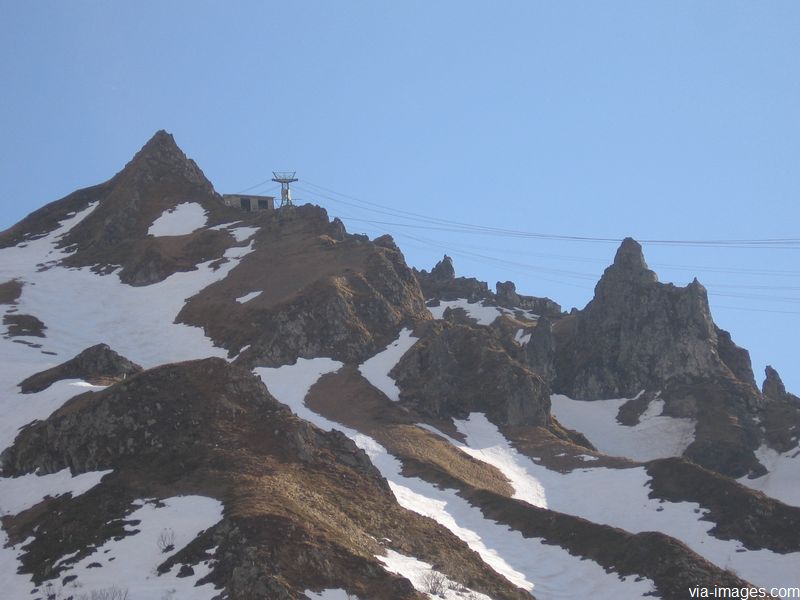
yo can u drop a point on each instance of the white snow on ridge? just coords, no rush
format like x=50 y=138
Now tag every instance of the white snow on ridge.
x=424 y=578
x=783 y=480
x=655 y=436
x=594 y=494
x=483 y=315
x=330 y=594
x=376 y=369
x=549 y=571
x=131 y=562
x=239 y=232
x=21 y=493
x=80 y=309
x=248 y=297
x=290 y=384
x=180 y=220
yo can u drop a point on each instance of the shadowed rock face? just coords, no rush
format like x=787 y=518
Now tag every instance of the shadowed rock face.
x=442 y=284
x=637 y=334
x=506 y=295
x=97 y=363
x=457 y=369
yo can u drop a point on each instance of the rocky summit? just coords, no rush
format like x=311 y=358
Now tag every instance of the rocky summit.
x=208 y=403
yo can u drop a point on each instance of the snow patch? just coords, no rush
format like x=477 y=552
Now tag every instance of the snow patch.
x=549 y=571
x=782 y=482
x=248 y=297
x=240 y=233
x=180 y=220
x=427 y=580
x=290 y=383
x=376 y=369
x=483 y=315
x=594 y=494
x=655 y=436
x=331 y=594
x=521 y=337
x=21 y=493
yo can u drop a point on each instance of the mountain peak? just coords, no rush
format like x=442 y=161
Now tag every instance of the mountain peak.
x=773 y=387
x=161 y=153
x=630 y=257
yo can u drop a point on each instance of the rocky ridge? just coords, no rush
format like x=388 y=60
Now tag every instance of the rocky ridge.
x=305 y=508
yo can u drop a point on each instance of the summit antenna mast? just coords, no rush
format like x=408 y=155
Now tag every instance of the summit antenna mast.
x=285 y=178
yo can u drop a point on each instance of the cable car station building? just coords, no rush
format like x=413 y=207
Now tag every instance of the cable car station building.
x=249 y=202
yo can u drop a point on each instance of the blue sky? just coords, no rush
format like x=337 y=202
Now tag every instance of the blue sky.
x=669 y=120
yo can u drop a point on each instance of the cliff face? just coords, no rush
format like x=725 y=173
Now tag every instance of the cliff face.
x=638 y=334
x=455 y=370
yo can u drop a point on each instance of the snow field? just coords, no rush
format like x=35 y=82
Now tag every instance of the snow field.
x=550 y=572
x=137 y=322
x=655 y=436
x=180 y=220
x=594 y=494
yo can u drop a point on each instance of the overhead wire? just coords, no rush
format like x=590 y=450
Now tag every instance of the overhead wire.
x=408 y=220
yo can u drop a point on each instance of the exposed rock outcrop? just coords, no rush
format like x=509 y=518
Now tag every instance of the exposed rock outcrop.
x=304 y=508
x=97 y=364
x=442 y=284
x=114 y=234
x=344 y=300
x=540 y=350
x=174 y=410
x=637 y=334
x=506 y=295
x=19 y=325
x=456 y=369
x=780 y=414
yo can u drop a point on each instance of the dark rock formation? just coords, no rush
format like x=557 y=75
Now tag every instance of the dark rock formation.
x=780 y=414
x=158 y=178
x=506 y=295
x=97 y=364
x=736 y=358
x=637 y=334
x=442 y=284
x=540 y=350
x=10 y=291
x=174 y=410
x=456 y=369
x=345 y=300
x=19 y=325
x=443 y=270
x=773 y=388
